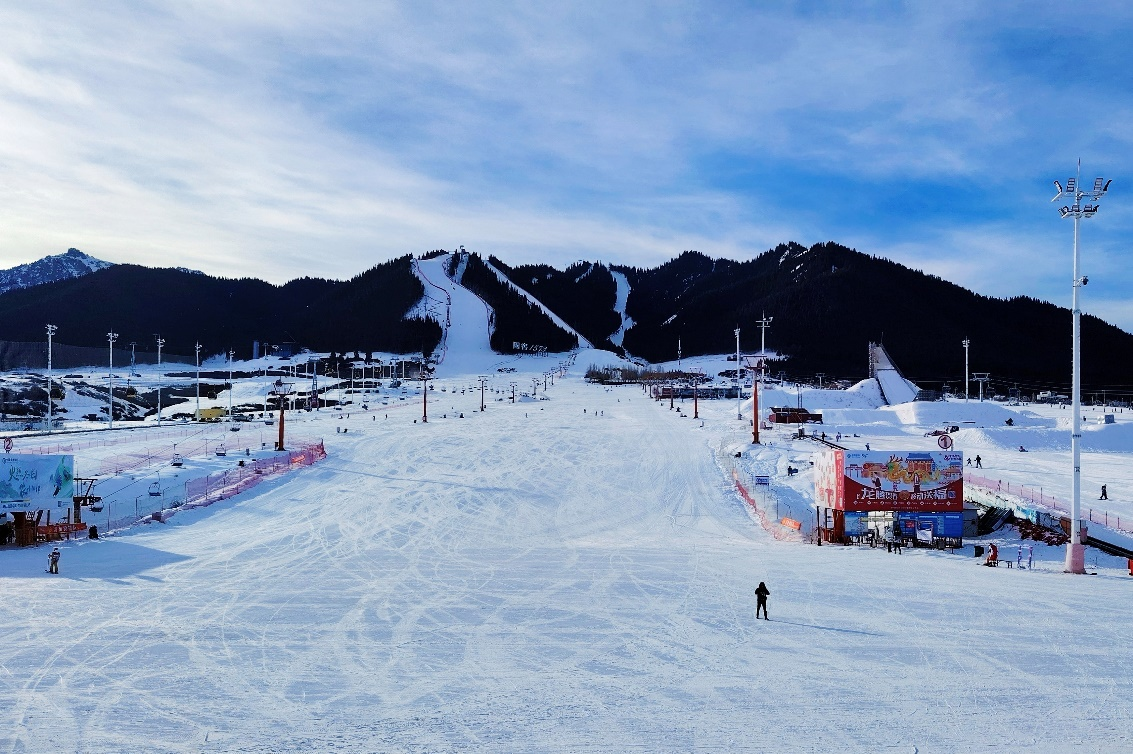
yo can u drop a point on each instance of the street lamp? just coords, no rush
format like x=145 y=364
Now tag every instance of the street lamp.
x=1075 y=549
x=51 y=329
x=112 y=336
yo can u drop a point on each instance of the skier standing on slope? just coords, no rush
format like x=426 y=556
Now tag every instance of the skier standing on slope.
x=53 y=561
x=1105 y=495
x=761 y=595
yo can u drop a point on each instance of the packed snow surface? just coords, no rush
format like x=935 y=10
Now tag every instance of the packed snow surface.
x=572 y=574
x=620 y=299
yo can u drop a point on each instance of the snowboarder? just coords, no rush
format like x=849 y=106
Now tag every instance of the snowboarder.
x=969 y=461
x=867 y=446
x=1105 y=495
x=979 y=462
x=53 y=561
x=761 y=595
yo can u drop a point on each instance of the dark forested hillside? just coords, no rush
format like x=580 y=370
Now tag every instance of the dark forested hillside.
x=582 y=294
x=364 y=313
x=516 y=320
x=829 y=302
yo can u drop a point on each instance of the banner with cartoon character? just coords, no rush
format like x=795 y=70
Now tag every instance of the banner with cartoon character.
x=855 y=480
x=30 y=482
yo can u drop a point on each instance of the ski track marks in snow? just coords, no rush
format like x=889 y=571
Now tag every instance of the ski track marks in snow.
x=549 y=582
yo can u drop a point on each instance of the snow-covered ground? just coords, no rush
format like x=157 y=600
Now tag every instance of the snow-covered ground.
x=569 y=574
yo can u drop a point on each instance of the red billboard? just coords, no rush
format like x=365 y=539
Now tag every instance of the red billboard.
x=877 y=480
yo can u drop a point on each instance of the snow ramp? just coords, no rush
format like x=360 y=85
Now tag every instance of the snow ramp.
x=894 y=387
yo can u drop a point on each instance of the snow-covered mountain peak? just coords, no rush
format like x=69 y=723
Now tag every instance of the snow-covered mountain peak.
x=70 y=264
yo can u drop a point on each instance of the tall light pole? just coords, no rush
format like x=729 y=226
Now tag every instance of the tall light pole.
x=231 y=387
x=966 y=343
x=51 y=329
x=756 y=399
x=1075 y=548
x=739 y=392
x=160 y=343
x=198 y=350
x=112 y=336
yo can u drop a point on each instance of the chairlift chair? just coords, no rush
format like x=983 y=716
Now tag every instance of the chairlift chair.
x=177 y=460
x=221 y=451
x=155 y=489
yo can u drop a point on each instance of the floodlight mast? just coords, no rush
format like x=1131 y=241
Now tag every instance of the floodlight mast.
x=160 y=343
x=198 y=350
x=1075 y=548
x=51 y=330
x=231 y=353
x=739 y=381
x=111 y=336
x=966 y=342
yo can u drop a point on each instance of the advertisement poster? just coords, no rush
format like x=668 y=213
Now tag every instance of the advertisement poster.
x=29 y=483
x=891 y=480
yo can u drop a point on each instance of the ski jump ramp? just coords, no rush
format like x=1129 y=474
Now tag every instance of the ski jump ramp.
x=894 y=387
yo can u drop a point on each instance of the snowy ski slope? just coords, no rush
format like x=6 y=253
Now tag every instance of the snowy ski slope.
x=535 y=578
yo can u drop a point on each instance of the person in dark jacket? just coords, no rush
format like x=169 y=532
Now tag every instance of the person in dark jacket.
x=761 y=595
x=53 y=562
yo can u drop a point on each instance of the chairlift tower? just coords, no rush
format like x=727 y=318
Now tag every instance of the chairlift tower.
x=111 y=337
x=1075 y=548
x=51 y=330
x=982 y=378
x=281 y=390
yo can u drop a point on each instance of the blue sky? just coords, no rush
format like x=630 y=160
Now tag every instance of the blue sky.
x=283 y=139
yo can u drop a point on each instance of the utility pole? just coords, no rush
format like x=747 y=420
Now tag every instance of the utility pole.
x=160 y=343
x=966 y=343
x=513 y=384
x=198 y=416
x=739 y=382
x=133 y=359
x=484 y=382
x=1075 y=548
x=112 y=336
x=425 y=396
x=51 y=330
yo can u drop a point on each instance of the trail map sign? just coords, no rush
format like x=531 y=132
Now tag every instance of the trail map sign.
x=30 y=483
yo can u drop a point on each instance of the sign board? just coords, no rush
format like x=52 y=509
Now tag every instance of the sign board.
x=855 y=480
x=945 y=442
x=31 y=483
